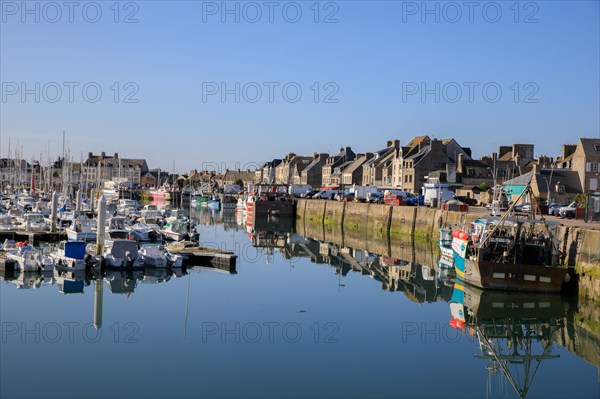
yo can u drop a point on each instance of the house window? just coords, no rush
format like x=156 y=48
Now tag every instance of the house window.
x=597 y=147
x=593 y=167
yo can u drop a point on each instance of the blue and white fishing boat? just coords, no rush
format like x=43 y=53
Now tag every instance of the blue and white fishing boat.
x=71 y=255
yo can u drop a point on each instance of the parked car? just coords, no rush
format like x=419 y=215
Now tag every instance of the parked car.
x=308 y=194
x=502 y=205
x=375 y=197
x=554 y=208
x=568 y=211
x=526 y=207
x=466 y=200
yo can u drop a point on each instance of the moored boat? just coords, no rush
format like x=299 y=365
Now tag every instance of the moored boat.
x=122 y=254
x=82 y=228
x=71 y=255
x=509 y=253
x=29 y=259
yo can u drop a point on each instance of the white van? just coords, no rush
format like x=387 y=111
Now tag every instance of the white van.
x=431 y=191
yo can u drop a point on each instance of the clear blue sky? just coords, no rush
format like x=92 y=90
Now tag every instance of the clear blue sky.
x=371 y=55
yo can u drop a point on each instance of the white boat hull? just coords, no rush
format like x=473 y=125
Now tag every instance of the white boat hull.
x=69 y=263
x=31 y=261
x=73 y=235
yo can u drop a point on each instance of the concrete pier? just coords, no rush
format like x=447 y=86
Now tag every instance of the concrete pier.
x=362 y=225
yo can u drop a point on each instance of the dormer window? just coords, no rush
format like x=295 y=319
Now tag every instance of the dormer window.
x=597 y=147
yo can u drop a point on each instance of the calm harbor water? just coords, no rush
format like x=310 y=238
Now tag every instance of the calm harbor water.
x=297 y=317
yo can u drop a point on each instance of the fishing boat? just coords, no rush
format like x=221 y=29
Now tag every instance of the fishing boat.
x=142 y=232
x=35 y=222
x=271 y=200
x=117 y=228
x=7 y=223
x=151 y=216
x=26 y=202
x=152 y=256
x=122 y=254
x=127 y=206
x=175 y=229
x=82 y=229
x=28 y=259
x=71 y=255
x=157 y=256
x=511 y=252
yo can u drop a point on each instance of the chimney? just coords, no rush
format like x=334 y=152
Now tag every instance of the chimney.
x=393 y=143
x=90 y=155
x=116 y=155
x=504 y=149
x=102 y=155
x=568 y=149
x=459 y=166
x=315 y=155
x=436 y=145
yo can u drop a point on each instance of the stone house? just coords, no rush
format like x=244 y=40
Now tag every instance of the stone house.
x=291 y=164
x=430 y=155
x=104 y=168
x=346 y=154
x=231 y=176
x=313 y=173
x=586 y=162
x=266 y=174
x=372 y=174
x=353 y=173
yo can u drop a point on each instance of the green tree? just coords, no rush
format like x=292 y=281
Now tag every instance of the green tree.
x=484 y=186
x=239 y=182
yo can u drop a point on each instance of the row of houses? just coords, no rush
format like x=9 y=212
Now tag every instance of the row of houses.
x=422 y=160
x=430 y=160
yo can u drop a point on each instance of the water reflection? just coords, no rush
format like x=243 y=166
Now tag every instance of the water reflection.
x=515 y=332
x=514 y=337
